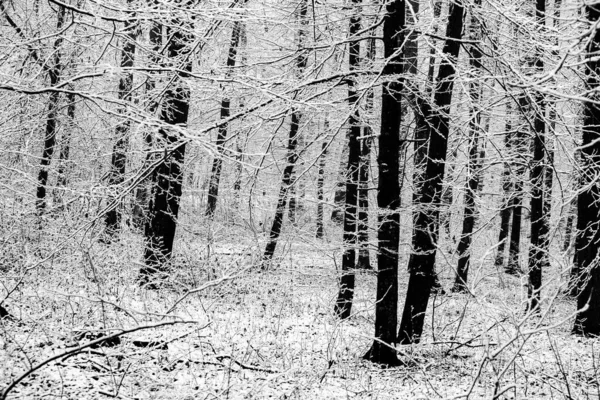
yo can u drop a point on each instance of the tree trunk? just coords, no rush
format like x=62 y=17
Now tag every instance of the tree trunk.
x=388 y=191
x=539 y=235
x=426 y=228
x=167 y=181
x=521 y=147
x=508 y=195
x=337 y=215
x=421 y=138
x=142 y=194
x=320 y=183
x=65 y=149
x=513 y=267
x=292 y=154
x=473 y=168
x=215 y=175
x=587 y=321
x=116 y=175
x=343 y=305
x=571 y=212
x=437 y=10
x=54 y=71
x=364 y=259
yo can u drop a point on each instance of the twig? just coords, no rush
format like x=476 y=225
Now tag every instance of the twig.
x=246 y=366
x=78 y=349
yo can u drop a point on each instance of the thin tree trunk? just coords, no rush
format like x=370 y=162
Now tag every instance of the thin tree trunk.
x=388 y=192
x=343 y=305
x=364 y=259
x=337 y=215
x=437 y=10
x=421 y=138
x=159 y=231
x=116 y=175
x=320 y=183
x=571 y=212
x=65 y=149
x=539 y=235
x=54 y=71
x=215 y=175
x=513 y=265
x=426 y=229
x=473 y=168
x=143 y=191
x=587 y=321
x=507 y=188
x=292 y=154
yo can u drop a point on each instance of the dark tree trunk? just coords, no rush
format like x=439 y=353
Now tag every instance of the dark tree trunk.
x=54 y=70
x=116 y=175
x=421 y=138
x=320 y=183
x=215 y=175
x=292 y=157
x=167 y=180
x=337 y=214
x=473 y=168
x=539 y=235
x=65 y=149
x=142 y=194
x=521 y=147
x=587 y=321
x=364 y=259
x=507 y=188
x=343 y=305
x=388 y=192
x=513 y=267
x=437 y=10
x=242 y=137
x=292 y=154
x=426 y=228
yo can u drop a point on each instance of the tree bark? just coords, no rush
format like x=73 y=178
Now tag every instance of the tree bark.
x=388 y=192
x=539 y=235
x=473 y=168
x=343 y=305
x=426 y=229
x=292 y=154
x=116 y=175
x=142 y=193
x=215 y=175
x=65 y=149
x=364 y=259
x=54 y=70
x=587 y=321
x=320 y=183
x=507 y=190
x=167 y=181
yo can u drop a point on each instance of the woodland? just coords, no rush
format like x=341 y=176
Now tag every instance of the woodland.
x=299 y=199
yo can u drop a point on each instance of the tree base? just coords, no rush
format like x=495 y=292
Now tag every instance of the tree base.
x=383 y=355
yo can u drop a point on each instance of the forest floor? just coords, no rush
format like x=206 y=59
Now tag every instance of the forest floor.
x=259 y=335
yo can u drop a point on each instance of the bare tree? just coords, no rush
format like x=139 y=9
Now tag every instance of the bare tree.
x=388 y=191
x=474 y=163
x=587 y=321
x=292 y=153
x=167 y=179
x=215 y=176
x=426 y=229
x=343 y=305
x=118 y=163
x=54 y=69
